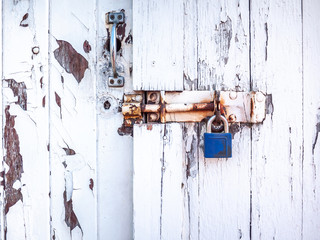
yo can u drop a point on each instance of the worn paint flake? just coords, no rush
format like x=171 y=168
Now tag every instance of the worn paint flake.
x=24 y=21
x=86 y=46
x=69 y=151
x=71 y=60
x=91 y=184
x=70 y=217
x=13 y=159
x=223 y=39
x=19 y=90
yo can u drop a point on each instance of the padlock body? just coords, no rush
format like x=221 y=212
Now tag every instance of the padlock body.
x=217 y=145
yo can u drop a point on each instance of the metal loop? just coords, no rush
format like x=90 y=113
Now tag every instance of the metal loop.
x=224 y=120
x=113 y=49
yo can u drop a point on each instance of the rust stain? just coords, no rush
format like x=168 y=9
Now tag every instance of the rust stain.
x=14 y=160
x=91 y=184
x=70 y=217
x=71 y=60
x=86 y=46
x=149 y=127
x=23 y=21
x=19 y=90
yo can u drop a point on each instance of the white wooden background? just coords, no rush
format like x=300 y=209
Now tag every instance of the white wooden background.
x=69 y=170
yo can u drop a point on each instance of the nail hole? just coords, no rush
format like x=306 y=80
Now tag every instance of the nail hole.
x=106 y=105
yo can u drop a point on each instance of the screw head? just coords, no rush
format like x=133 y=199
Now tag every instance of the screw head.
x=119 y=81
x=119 y=17
x=111 y=81
x=232 y=118
x=35 y=50
x=111 y=16
x=233 y=95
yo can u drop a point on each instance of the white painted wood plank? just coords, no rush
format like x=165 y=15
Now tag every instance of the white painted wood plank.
x=73 y=120
x=173 y=172
x=147 y=180
x=25 y=115
x=223 y=45
x=224 y=184
x=311 y=120
x=190 y=45
x=276 y=49
x=158 y=45
x=191 y=220
x=114 y=143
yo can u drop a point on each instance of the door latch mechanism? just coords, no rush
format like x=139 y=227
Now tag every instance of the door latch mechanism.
x=114 y=18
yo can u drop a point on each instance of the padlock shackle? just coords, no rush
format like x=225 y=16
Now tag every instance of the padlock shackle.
x=224 y=120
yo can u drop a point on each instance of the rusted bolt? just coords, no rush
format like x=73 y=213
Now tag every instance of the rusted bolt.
x=232 y=118
x=233 y=95
x=35 y=50
x=259 y=96
x=153 y=97
x=127 y=122
x=111 y=81
x=153 y=117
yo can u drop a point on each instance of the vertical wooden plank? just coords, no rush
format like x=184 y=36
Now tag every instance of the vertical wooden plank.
x=224 y=184
x=311 y=120
x=2 y=197
x=191 y=145
x=25 y=119
x=114 y=142
x=190 y=45
x=73 y=120
x=223 y=45
x=276 y=54
x=172 y=184
x=147 y=180
x=159 y=182
x=158 y=45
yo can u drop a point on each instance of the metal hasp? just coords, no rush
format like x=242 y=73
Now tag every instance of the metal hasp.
x=193 y=106
x=114 y=18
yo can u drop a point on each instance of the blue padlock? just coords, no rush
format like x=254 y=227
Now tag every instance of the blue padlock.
x=217 y=145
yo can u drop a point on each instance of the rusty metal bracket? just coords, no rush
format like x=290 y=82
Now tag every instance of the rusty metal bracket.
x=193 y=106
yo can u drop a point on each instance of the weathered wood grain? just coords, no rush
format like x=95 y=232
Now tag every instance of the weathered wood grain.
x=311 y=120
x=276 y=64
x=158 y=45
x=73 y=120
x=25 y=118
x=114 y=142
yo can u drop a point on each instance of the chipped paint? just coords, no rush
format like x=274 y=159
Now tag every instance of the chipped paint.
x=70 y=216
x=129 y=39
x=24 y=21
x=71 y=60
x=44 y=101
x=223 y=39
x=91 y=184
x=69 y=151
x=14 y=160
x=58 y=102
x=86 y=46
x=19 y=90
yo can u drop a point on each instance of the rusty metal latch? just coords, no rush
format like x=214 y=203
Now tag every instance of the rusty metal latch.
x=192 y=106
x=114 y=18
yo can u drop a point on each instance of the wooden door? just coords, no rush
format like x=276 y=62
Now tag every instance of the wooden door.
x=71 y=171
x=268 y=189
